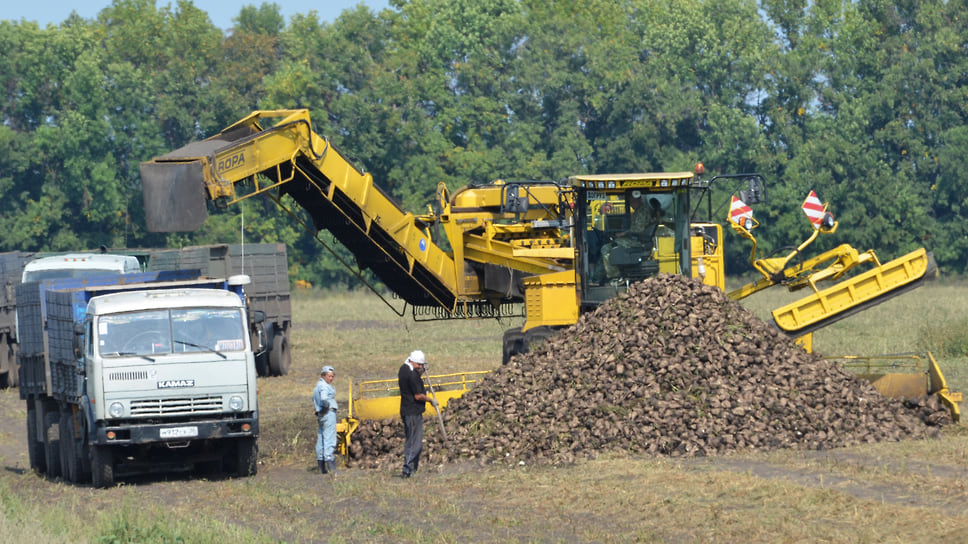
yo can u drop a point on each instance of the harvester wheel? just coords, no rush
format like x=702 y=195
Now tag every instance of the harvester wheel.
x=513 y=344
x=535 y=337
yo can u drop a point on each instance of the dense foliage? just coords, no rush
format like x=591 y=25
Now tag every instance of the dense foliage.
x=862 y=101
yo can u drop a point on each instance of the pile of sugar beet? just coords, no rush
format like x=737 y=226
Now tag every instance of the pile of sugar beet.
x=671 y=368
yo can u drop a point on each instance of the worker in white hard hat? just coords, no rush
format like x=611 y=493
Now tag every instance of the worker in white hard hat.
x=324 y=402
x=413 y=403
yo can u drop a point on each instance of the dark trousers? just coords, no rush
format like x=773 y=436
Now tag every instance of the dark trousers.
x=413 y=429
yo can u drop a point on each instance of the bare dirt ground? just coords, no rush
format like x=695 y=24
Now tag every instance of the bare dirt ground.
x=288 y=502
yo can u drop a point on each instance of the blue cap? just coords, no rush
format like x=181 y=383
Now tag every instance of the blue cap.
x=327 y=369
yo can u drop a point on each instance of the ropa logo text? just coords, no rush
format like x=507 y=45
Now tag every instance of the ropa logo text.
x=170 y=384
x=231 y=162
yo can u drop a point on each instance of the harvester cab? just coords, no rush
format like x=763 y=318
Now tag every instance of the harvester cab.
x=630 y=227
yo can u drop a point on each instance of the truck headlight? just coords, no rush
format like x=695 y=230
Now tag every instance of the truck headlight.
x=235 y=403
x=116 y=409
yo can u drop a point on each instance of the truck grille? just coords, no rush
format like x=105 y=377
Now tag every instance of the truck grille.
x=129 y=375
x=177 y=406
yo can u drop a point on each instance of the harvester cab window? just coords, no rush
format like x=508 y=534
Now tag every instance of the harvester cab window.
x=628 y=253
x=630 y=235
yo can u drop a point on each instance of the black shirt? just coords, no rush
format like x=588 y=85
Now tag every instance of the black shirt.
x=410 y=384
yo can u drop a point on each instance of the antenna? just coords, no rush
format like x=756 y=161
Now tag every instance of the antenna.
x=242 y=237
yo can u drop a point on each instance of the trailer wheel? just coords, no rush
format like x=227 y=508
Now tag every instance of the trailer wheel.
x=7 y=370
x=279 y=357
x=247 y=457
x=13 y=377
x=52 y=443
x=102 y=466
x=35 y=448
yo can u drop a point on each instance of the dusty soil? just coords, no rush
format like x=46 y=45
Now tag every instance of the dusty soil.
x=858 y=472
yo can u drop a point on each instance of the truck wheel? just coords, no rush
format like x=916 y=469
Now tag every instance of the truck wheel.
x=102 y=466
x=247 y=457
x=80 y=453
x=262 y=364
x=68 y=463
x=35 y=448
x=279 y=357
x=52 y=443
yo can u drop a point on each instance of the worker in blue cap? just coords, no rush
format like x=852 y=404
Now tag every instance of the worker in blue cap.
x=324 y=401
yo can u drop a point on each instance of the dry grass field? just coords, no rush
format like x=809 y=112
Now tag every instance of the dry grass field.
x=911 y=491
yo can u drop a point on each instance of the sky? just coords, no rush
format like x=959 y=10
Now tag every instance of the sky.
x=220 y=12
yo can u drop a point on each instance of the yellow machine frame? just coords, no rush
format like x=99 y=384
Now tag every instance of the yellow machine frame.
x=506 y=242
x=377 y=400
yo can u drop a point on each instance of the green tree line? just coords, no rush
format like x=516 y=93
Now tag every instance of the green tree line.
x=862 y=101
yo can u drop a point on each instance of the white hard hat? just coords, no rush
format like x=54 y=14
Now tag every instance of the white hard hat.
x=417 y=356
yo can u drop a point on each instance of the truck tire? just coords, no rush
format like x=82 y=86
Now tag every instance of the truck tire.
x=35 y=448
x=279 y=356
x=102 y=466
x=262 y=365
x=65 y=428
x=247 y=457
x=52 y=443
x=72 y=463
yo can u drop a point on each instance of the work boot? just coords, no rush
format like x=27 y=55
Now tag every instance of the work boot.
x=322 y=465
x=330 y=467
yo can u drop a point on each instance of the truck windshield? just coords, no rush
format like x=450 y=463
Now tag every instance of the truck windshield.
x=158 y=332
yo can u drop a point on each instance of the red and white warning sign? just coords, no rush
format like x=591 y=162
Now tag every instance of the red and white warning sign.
x=814 y=209
x=739 y=210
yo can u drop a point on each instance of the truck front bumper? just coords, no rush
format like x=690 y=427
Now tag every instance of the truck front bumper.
x=177 y=432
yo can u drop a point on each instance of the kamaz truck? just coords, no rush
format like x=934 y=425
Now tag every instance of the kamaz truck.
x=266 y=264
x=137 y=373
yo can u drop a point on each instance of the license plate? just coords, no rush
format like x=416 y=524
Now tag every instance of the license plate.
x=179 y=432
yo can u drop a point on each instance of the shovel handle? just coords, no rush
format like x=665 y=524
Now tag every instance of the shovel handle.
x=440 y=416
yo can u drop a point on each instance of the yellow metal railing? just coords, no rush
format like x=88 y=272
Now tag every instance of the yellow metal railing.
x=375 y=400
x=380 y=399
